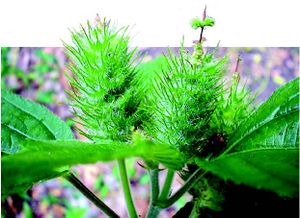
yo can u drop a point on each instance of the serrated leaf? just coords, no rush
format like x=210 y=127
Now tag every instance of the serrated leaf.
x=44 y=159
x=264 y=152
x=281 y=105
x=31 y=160
x=22 y=119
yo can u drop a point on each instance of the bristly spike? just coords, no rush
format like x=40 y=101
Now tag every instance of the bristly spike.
x=103 y=71
x=183 y=101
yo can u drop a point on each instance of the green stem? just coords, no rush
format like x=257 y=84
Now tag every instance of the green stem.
x=153 y=211
x=154 y=184
x=126 y=189
x=91 y=196
x=186 y=187
x=167 y=185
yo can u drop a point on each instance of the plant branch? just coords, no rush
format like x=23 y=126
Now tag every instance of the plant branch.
x=186 y=187
x=126 y=189
x=201 y=35
x=91 y=196
x=154 y=184
x=167 y=185
x=153 y=210
x=237 y=63
x=202 y=28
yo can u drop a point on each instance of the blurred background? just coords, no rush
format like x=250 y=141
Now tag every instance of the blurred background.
x=40 y=75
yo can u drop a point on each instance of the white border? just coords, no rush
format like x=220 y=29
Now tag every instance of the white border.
x=239 y=23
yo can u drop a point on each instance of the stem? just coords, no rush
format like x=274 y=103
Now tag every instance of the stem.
x=154 y=184
x=167 y=185
x=201 y=35
x=153 y=211
x=202 y=28
x=204 y=13
x=91 y=196
x=126 y=189
x=186 y=187
x=237 y=63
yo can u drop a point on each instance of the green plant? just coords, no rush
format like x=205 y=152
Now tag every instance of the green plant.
x=178 y=111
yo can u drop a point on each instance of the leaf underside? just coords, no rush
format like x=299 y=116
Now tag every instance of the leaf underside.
x=39 y=146
x=41 y=159
x=264 y=152
x=21 y=120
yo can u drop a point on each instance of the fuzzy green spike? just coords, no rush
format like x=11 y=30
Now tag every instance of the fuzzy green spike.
x=103 y=69
x=234 y=107
x=184 y=97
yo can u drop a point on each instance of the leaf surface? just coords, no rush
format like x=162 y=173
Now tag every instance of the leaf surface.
x=22 y=119
x=39 y=146
x=264 y=152
x=46 y=159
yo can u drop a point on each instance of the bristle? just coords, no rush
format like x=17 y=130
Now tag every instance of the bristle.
x=103 y=68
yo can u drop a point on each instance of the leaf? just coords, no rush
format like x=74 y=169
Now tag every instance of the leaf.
x=283 y=104
x=197 y=22
x=147 y=74
x=22 y=119
x=42 y=160
x=264 y=152
x=34 y=141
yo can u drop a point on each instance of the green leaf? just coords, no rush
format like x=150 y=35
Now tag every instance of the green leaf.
x=22 y=119
x=271 y=116
x=198 y=23
x=147 y=74
x=209 y=21
x=152 y=66
x=264 y=152
x=42 y=160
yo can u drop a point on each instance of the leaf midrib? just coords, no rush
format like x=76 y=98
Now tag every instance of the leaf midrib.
x=255 y=150
x=17 y=130
x=262 y=124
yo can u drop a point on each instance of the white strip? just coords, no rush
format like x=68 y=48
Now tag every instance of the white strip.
x=156 y=22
